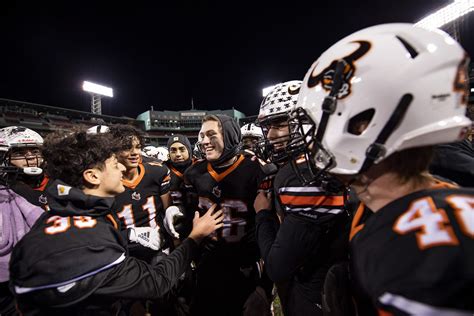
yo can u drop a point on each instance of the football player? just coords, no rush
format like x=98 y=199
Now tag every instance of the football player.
x=179 y=149
x=74 y=259
x=25 y=161
x=146 y=194
x=227 y=272
x=17 y=216
x=314 y=226
x=381 y=97
x=251 y=135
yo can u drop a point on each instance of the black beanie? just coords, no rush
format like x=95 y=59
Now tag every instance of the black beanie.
x=232 y=136
x=178 y=138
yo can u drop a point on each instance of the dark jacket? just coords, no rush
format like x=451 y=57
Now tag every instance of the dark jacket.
x=74 y=260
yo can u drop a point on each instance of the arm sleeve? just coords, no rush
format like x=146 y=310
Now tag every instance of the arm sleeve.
x=286 y=248
x=136 y=279
x=165 y=181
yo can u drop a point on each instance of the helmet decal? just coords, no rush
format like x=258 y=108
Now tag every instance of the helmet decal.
x=326 y=76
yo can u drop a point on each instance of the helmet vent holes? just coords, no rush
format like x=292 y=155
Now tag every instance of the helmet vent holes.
x=411 y=50
x=359 y=123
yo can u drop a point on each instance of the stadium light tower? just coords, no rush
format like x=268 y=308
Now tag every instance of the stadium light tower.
x=447 y=14
x=97 y=91
x=267 y=90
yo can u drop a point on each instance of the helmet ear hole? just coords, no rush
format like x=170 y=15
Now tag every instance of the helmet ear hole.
x=359 y=123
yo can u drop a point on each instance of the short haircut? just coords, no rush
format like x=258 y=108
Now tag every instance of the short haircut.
x=125 y=133
x=67 y=156
x=212 y=117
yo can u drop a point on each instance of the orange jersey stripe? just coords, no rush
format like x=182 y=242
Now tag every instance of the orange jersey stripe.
x=133 y=184
x=219 y=176
x=355 y=225
x=336 y=200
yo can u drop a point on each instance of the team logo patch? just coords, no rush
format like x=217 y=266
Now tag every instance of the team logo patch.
x=175 y=139
x=63 y=189
x=326 y=76
x=216 y=191
x=136 y=196
x=43 y=199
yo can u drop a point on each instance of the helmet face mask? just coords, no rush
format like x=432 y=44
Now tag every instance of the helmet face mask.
x=24 y=156
x=381 y=90
x=277 y=127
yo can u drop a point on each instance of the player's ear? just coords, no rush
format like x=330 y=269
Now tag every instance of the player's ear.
x=91 y=176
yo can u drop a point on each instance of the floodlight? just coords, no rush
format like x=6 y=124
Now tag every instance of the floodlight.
x=267 y=90
x=97 y=89
x=446 y=14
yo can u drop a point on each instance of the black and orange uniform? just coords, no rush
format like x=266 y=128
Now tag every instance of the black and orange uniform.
x=74 y=260
x=226 y=269
x=415 y=256
x=177 y=190
x=140 y=204
x=33 y=191
x=312 y=236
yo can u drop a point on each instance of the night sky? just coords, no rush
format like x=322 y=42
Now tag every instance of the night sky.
x=220 y=53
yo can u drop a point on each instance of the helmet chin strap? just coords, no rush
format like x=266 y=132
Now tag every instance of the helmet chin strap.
x=330 y=101
x=377 y=149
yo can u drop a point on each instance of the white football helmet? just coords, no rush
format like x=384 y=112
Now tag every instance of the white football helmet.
x=251 y=130
x=14 y=140
x=251 y=135
x=162 y=154
x=98 y=129
x=274 y=111
x=407 y=85
x=279 y=101
x=150 y=151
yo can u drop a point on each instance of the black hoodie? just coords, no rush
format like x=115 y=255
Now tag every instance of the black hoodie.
x=232 y=136
x=50 y=255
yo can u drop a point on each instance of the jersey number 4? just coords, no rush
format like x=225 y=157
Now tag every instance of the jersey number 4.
x=432 y=223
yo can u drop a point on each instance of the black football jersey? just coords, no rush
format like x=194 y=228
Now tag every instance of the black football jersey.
x=35 y=195
x=140 y=204
x=312 y=202
x=234 y=190
x=415 y=256
x=176 y=186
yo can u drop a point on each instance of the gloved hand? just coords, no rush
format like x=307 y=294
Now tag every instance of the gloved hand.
x=146 y=236
x=172 y=215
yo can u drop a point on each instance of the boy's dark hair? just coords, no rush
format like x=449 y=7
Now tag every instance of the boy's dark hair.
x=67 y=156
x=124 y=134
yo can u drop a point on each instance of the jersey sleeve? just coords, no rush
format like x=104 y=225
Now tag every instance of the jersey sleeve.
x=165 y=181
x=136 y=279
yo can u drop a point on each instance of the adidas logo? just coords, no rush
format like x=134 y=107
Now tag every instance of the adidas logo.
x=145 y=236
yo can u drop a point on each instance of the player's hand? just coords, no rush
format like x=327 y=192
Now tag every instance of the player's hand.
x=204 y=225
x=263 y=201
x=171 y=217
x=146 y=236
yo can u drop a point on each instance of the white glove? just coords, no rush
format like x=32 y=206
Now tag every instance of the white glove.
x=146 y=236
x=171 y=213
